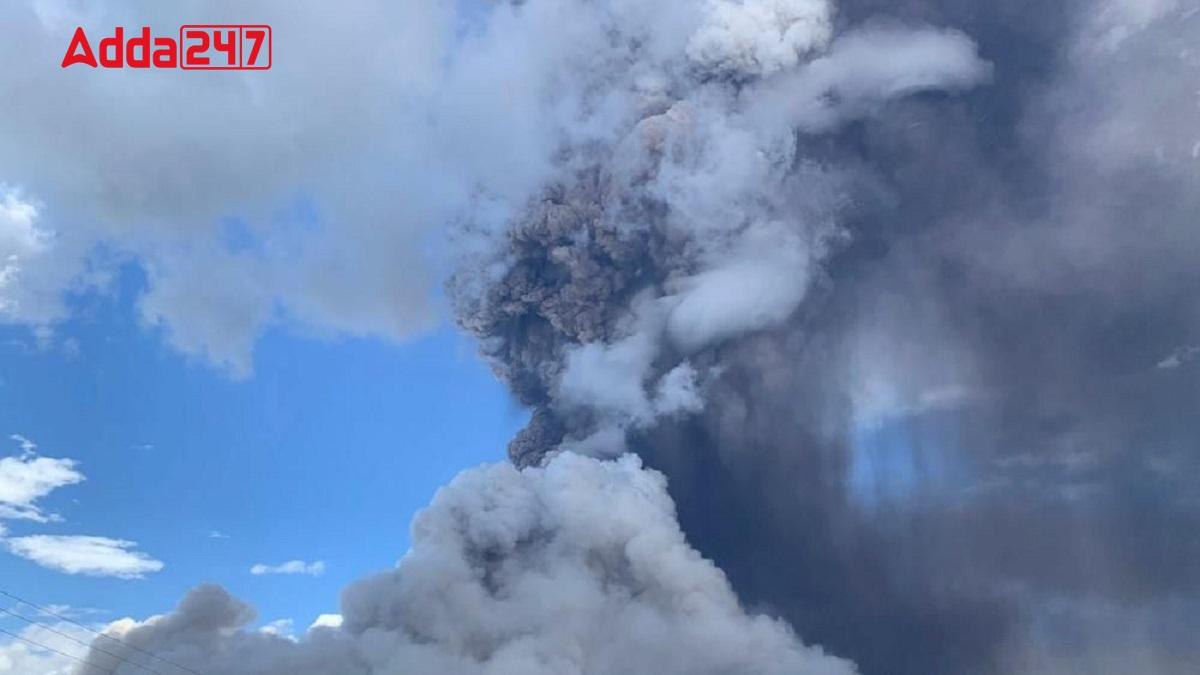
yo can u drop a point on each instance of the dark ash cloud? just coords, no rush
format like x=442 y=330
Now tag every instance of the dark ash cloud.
x=962 y=438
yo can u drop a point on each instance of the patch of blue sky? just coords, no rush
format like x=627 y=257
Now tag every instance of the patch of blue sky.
x=895 y=460
x=325 y=453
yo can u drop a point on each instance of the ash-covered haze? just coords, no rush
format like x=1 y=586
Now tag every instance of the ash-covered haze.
x=857 y=336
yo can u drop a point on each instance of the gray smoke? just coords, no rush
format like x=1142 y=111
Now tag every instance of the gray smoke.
x=578 y=567
x=912 y=343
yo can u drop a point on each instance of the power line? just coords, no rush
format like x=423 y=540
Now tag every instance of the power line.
x=119 y=641
x=52 y=649
x=78 y=641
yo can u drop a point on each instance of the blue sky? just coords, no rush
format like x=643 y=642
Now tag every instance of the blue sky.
x=323 y=454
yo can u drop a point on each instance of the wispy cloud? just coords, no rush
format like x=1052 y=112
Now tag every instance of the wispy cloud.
x=1179 y=357
x=71 y=612
x=27 y=446
x=27 y=478
x=316 y=568
x=86 y=555
x=217 y=534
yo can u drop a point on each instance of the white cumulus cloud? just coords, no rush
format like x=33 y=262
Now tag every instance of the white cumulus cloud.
x=295 y=196
x=20 y=656
x=326 y=621
x=24 y=246
x=27 y=478
x=86 y=555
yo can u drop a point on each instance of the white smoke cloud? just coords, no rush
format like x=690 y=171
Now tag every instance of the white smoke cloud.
x=759 y=37
x=865 y=68
x=610 y=377
x=576 y=567
x=751 y=220
x=759 y=284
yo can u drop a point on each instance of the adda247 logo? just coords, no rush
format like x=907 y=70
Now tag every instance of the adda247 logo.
x=198 y=47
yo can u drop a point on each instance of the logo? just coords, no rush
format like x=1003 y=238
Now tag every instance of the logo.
x=198 y=47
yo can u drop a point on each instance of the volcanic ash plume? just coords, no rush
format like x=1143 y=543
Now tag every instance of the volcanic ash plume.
x=699 y=223
x=577 y=567
x=907 y=329
x=900 y=298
